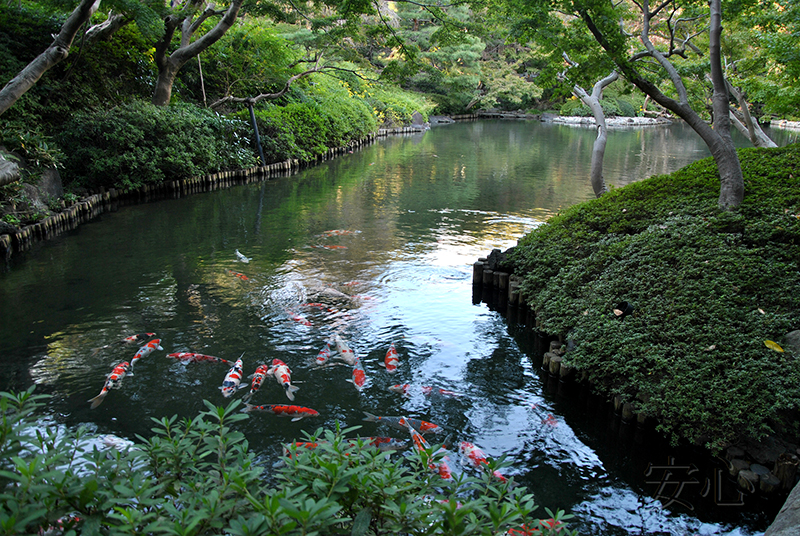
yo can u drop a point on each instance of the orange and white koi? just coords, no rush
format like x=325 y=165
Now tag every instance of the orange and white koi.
x=239 y=275
x=281 y=410
x=262 y=371
x=401 y=423
x=423 y=446
x=477 y=458
x=283 y=375
x=113 y=381
x=391 y=360
x=146 y=350
x=232 y=380
x=359 y=375
x=344 y=352
x=192 y=357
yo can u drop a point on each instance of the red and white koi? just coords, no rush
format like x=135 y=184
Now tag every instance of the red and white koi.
x=300 y=319
x=384 y=444
x=423 y=446
x=324 y=355
x=192 y=357
x=232 y=380
x=113 y=381
x=359 y=375
x=283 y=375
x=402 y=423
x=281 y=410
x=138 y=338
x=344 y=352
x=391 y=360
x=146 y=350
x=477 y=458
x=241 y=258
x=262 y=371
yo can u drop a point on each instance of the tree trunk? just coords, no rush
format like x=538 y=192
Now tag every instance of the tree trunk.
x=718 y=139
x=56 y=52
x=599 y=148
x=169 y=65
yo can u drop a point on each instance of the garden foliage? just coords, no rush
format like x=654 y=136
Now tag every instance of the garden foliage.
x=709 y=288
x=136 y=144
x=196 y=476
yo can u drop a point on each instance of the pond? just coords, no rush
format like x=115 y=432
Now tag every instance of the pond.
x=376 y=246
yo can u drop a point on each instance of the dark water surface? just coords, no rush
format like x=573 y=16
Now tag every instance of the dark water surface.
x=377 y=246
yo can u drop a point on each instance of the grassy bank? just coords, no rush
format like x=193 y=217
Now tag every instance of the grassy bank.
x=710 y=289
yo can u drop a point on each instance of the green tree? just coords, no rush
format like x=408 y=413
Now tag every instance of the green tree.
x=646 y=44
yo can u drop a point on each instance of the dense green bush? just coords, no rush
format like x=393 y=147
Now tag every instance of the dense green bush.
x=197 y=477
x=136 y=144
x=709 y=288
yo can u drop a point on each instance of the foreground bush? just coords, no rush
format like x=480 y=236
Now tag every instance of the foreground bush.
x=196 y=476
x=136 y=144
x=711 y=289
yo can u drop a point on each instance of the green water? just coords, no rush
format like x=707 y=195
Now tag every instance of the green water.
x=378 y=247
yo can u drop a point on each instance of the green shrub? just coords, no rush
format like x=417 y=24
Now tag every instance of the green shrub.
x=709 y=288
x=196 y=477
x=136 y=144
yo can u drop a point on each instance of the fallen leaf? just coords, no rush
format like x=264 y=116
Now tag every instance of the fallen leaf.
x=712 y=347
x=772 y=345
x=760 y=310
x=617 y=312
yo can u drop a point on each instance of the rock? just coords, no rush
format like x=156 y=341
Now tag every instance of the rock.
x=50 y=185
x=737 y=465
x=748 y=480
x=788 y=519
x=9 y=172
x=792 y=342
x=417 y=119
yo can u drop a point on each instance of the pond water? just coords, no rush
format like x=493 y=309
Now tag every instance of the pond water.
x=378 y=247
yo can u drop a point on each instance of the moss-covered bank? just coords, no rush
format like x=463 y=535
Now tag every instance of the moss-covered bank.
x=712 y=291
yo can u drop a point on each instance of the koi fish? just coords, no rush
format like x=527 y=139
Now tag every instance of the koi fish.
x=242 y=258
x=295 y=412
x=324 y=355
x=138 y=338
x=282 y=374
x=551 y=524
x=401 y=423
x=239 y=275
x=422 y=446
x=384 y=444
x=391 y=360
x=232 y=380
x=345 y=353
x=146 y=350
x=191 y=357
x=359 y=375
x=113 y=381
x=288 y=448
x=477 y=458
x=258 y=378
x=299 y=318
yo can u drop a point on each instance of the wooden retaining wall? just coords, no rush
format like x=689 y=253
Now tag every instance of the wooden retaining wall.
x=756 y=469
x=92 y=206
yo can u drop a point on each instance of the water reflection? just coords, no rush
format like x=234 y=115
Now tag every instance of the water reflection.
x=377 y=247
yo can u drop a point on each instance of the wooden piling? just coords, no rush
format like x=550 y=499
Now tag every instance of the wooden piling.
x=477 y=273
